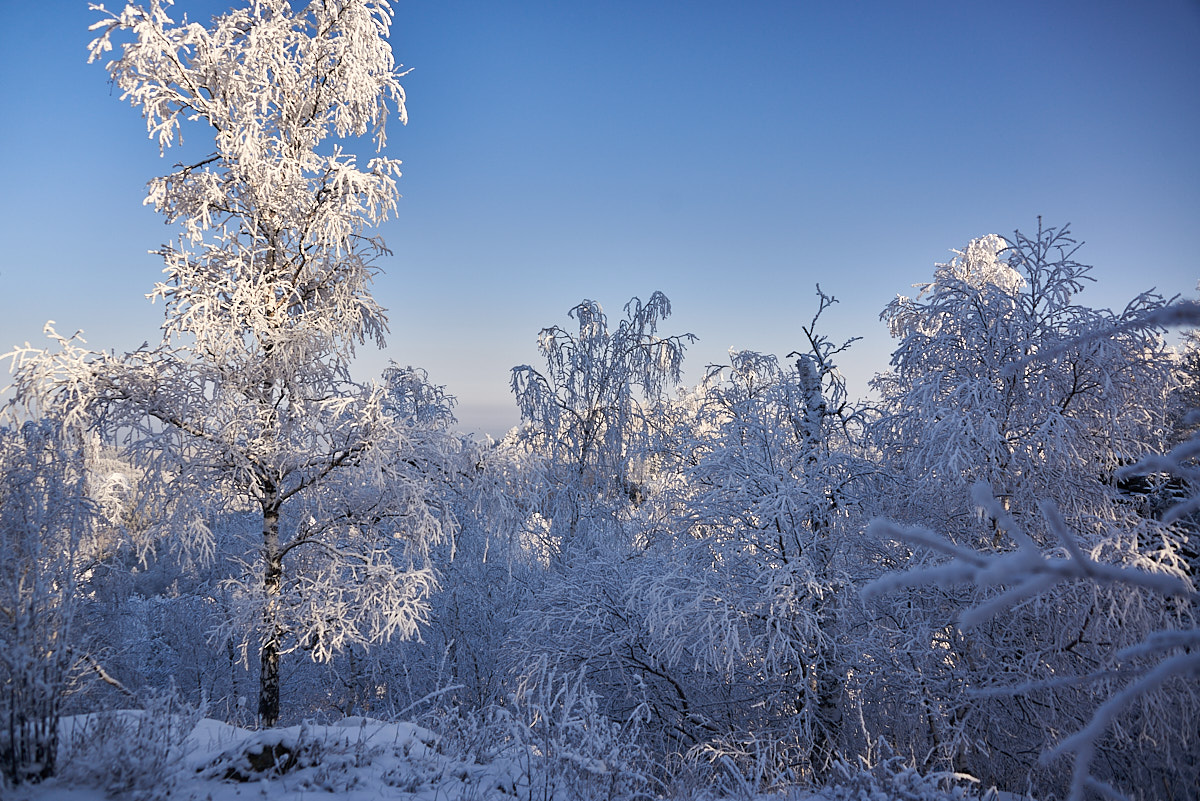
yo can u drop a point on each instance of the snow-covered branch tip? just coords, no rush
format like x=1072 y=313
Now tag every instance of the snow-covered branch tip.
x=1026 y=572
x=1163 y=315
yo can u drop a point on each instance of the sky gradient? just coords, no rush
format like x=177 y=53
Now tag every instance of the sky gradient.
x=731 y=155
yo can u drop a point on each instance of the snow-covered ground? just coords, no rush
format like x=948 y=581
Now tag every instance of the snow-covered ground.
x=357 y=759
x=128 y=755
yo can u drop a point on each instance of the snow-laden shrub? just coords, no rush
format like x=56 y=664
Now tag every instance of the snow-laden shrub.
x=131 y=754
x=569 y=749
x=47 y=525
x=890 y=777
x=881 y=775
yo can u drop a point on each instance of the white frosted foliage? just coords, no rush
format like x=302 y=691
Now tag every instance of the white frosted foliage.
x=245 y=414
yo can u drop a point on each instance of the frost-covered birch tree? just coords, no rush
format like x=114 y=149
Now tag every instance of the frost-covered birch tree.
x=588 y=415
x=754 y=590
x=247 y=405
x=966 y=403
x=587 y=444
x=1000 y=378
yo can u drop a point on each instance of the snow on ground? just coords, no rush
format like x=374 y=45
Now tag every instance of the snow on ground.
x=357 y=759
x=130 y=755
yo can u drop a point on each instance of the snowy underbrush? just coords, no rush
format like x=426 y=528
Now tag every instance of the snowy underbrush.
x=146 y=756
x=165 y=752
x=132 y=754
x=890 y=778
x=549 y=744
x=883 y=777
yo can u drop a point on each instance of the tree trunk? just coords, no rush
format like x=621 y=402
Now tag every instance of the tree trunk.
x=827 y=687
x=268 y=686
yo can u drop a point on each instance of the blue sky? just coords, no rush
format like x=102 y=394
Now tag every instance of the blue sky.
x=731 y=155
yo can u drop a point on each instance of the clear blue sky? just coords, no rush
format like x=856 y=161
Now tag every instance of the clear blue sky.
x=730 y=154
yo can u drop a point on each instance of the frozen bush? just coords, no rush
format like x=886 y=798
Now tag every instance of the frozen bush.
x=46 y=519
x=889 y=777
x=571 y=750
x=131 y=754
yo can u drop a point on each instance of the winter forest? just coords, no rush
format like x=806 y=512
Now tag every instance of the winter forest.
x=230 y=568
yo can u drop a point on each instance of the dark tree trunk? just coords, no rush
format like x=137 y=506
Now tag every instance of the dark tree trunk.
x=268 y=686
x=827 y=686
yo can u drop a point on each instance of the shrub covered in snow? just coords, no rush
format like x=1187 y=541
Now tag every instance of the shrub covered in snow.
x=139 y=755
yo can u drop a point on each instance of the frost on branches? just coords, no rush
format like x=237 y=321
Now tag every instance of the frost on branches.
x=590 y=415
x=967 y=401
x=46 y=526
x=1152 y=678
x=752 y=593
x=247 y=404
x=1049 y=411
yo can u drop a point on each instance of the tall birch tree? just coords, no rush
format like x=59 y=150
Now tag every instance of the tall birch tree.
x=247 y=404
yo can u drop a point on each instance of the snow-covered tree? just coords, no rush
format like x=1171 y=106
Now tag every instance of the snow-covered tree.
x=755 y=587
x=48 y=521
x=587 y=448
x=966 y=403
x=247 y=405
x=1002 y=378
x=588 y=416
